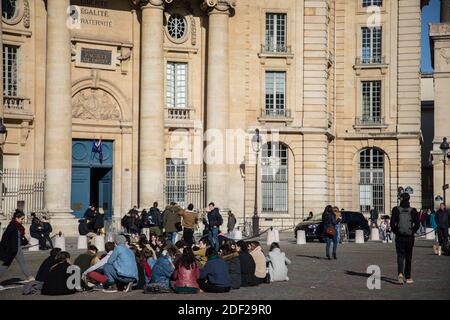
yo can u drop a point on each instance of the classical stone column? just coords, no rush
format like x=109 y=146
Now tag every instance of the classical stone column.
x=151 y=138
x=218 y=94
x=1 y=73
x=58 y=119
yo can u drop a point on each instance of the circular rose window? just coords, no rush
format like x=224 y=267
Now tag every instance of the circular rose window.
x=9 y=9
x=177 y=26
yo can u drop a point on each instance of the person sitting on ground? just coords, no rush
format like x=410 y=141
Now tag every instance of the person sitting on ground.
x=248 y=265
x=95 y=273
x=46 y=265
x=200 y=252
x=149 y=260
x=231 y=256
x=215 y=276
x=55 y=283
x=186 y=273
x=260 y=261
x=140 y=265
x=121 y=267
x=162 y=271
x=277 y=262
x=87 y=259
x=153 y=242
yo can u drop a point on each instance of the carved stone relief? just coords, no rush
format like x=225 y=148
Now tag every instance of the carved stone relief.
x=95 y=104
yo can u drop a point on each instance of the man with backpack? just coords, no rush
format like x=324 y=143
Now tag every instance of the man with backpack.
x=404 y=223
x=215 y=220
x=442 y=221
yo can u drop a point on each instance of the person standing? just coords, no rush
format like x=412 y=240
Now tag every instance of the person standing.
x=442 y=222
x=422 y=219
x=338 y=215
x=404 y=223
x=231 y=222
x=89 y=216
x=329 y=230
x=171 y=220
x=188 y=224
x=374 y=218
x=155 y=220
x=214 y=222
x=11 y=246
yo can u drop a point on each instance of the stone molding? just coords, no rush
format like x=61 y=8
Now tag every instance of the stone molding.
x=159 y=4
x=219 y=6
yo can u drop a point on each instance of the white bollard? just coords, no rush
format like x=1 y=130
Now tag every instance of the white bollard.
x=277 y=235
x=99 y=242
x=60 y=242
x=301 y=237
x=82 y=242
x=237 y=235
x=359 y=236
x=34 y=243
x=374 y=234
x=270 y=237
x=429 y=234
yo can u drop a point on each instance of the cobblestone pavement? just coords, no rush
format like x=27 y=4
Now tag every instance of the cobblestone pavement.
x=311 y=276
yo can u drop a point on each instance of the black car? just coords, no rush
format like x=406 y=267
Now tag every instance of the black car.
x=351 y=221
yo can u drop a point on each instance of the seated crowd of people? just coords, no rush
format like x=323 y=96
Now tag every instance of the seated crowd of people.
x=156 y=265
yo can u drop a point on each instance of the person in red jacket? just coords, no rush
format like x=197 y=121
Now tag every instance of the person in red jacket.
x=186 y=273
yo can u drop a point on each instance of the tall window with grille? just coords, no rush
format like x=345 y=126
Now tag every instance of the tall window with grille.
x=371 y=102
x=275 y=32
x=274 y=178
x=176 y=181
x=275 y=104
x=371 y=45
x=371 y=180
x=176 y=85
x=368 y=3
x=10 y=70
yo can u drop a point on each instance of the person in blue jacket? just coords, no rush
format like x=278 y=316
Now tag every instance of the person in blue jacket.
x=215 y=275
x=162 y=271
x=121 y=267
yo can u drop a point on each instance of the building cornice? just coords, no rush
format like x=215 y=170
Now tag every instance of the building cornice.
x=219 y=6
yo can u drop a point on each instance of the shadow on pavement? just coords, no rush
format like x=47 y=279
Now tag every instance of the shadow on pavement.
x=311 y=257
x=9 y=282
x=367 y=275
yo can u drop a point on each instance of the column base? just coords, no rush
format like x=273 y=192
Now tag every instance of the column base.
x=62 y=220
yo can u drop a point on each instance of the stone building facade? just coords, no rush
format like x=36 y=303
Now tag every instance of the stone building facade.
x=333 y=86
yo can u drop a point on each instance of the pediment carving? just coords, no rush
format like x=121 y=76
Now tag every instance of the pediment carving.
x=95 y=104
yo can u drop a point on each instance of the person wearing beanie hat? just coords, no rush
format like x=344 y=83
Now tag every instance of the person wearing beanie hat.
x=121 y=268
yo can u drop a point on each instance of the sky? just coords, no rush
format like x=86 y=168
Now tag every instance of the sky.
x=430 y=13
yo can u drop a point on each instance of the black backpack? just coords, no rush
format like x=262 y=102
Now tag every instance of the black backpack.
x=405 y=222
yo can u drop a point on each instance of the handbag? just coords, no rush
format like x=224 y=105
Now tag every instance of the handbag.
x=331 y=232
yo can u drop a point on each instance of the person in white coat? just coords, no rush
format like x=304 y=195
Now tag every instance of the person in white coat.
x=277 y=263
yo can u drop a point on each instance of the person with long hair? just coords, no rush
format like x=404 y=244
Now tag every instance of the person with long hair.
x=248 y=266
x=329 y=231
x=11 y=246
x=231 y=257
x=186 y=273
x=55 y=282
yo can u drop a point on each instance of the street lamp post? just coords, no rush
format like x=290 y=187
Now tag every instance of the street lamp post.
x=256 y=144
x=444 y=147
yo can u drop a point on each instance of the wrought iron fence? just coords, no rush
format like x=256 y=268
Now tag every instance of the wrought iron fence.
x=186 y=189
x=23 y=189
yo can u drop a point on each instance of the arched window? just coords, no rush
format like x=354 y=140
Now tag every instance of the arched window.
x=177 y=26
x=274 y=179
x=9 y=9
x=371 y=180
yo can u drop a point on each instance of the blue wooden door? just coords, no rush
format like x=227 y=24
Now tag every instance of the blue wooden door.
x=80 y=190
x=105 y=194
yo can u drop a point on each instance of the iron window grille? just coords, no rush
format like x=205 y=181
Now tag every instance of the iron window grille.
x=371 y=180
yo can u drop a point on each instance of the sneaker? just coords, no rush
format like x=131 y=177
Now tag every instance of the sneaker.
x=409 y=281
x=111 y=289
x=439 y=251
x=129 y=287
x=99 y=287
x=2 y=288
x=401 y=279
x=384 y=241
x=27 y=280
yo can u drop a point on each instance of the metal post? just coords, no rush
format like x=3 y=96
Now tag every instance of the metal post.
x=444 y=189
x=255 y=210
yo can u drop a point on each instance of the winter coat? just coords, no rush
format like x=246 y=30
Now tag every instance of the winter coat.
x=374 y=214
x=9 y=244
x=171 y=218
x=124 y=262
x=216 y=271
x=329 y=220
x=185 y=277
x=231 y=222
x=44 y=269
x=442 y=219
x=433 y=223
x=248 y=268
x=200 y=256
x=395 y=219
x=278 y=265
x=214 y=218
x=162 y=271
x=84 y=261
x=234 y=265
x=260 y=262
x=83 y=228
x=55 y=283
x=189 y=218
x=99 y=221
x=154 y=217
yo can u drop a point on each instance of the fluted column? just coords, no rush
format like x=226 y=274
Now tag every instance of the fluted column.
x=58 y=118
x=151 y=138
x=218 y=94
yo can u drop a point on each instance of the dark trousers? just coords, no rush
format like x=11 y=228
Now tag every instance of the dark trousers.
x=404 y=247
x=207 y=287
x=188 y=236
x=442 y=237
